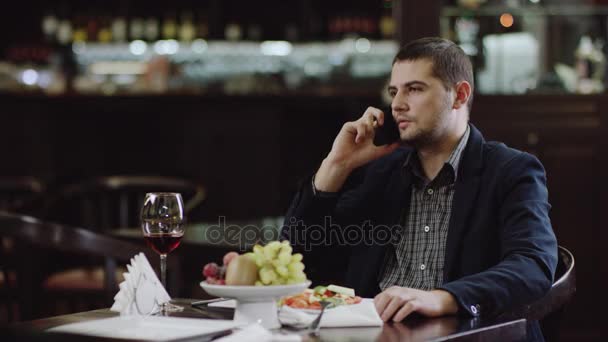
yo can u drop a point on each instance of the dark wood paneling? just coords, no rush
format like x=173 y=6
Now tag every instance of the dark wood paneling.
x=249 y=152
x=416 y=19
x=565 y=133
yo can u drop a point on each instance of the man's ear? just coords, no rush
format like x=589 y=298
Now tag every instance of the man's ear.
x=463 y=92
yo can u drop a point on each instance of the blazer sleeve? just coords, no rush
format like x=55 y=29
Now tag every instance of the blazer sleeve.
x=528 y=245
x=309 y=211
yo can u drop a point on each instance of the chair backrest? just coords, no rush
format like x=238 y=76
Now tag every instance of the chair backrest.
x=562 y=290
x=34 y=236
x=17 y=192
x=115 y=201
x=550 y=308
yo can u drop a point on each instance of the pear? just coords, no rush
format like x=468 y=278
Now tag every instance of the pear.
x=241 y=270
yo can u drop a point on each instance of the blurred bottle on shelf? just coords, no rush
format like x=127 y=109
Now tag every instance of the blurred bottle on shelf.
x=202 y=27
x=352 y=25
x=254 y=32
x=92 y=27
x=151 y=29
x=233 y=32
x=169 y=30
x=387 y=26
x=119 y=29
x=105 y=30
x=49 y=26
x=80 y=29
x=187 y=30
x=64 y=32
x=292 y=33
x=136 y=28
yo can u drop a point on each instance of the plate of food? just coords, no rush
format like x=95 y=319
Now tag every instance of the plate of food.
x=309 y=300
x=257 y=280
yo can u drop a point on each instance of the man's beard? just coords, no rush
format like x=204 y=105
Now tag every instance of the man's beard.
x=420 y=137
x=425 y=137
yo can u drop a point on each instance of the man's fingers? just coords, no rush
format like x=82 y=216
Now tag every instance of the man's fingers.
x=361 y=132
x=391 y=308
x=405 y=311
x=374 y=114
x=380 y=301
x=372 y=118
x=365 y=129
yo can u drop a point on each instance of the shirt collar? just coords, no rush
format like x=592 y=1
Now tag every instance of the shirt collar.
x=413 y=163
x=456 y=155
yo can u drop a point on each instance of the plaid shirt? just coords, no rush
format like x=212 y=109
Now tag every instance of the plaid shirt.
x=417 y=260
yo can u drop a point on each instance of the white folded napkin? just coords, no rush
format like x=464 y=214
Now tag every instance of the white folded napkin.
x=141 y=292
x=363 y=314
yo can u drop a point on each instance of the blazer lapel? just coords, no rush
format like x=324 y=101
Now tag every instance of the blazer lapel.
x=367 y=259
x=467 y=187
x=398 y=197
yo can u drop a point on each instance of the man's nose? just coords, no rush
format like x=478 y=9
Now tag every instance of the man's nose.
x=399 y=104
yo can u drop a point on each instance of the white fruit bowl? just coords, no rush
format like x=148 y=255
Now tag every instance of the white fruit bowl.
x=256 y=303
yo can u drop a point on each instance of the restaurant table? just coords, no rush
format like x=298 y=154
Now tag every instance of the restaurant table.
x=450 y=328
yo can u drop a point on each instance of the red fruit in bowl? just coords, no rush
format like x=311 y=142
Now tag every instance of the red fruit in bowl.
x=229 y=257
x=211 y=280
x=211 y=270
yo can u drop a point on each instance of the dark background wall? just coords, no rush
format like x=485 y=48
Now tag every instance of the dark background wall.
x=248 y=151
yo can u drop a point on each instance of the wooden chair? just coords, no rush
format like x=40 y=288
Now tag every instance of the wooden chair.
x=17 y=194
x=105 y=203
x=37 y=237
x=549 y=309
x=115 y=201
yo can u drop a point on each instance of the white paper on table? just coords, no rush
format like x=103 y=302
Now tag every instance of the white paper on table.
x=257 y=333
x=154 y=328
x=141 y=292
x=363 y=314
x=252 y=332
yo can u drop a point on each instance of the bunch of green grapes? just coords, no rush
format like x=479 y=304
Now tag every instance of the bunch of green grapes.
x=276 y=264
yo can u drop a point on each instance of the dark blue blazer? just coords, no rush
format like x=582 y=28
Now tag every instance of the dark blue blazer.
x=501 y=251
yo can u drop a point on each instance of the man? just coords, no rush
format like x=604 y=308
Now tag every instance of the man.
x=474 y=235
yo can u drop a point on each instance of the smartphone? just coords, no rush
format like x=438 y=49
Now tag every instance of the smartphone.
x=387 y=133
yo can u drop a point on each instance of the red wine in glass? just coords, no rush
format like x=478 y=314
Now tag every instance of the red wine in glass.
x=163 y=243
x=162 y=223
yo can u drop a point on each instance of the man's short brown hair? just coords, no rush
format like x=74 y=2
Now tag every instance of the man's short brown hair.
x=450 y=64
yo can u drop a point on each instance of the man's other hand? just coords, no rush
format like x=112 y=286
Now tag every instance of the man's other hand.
x=397 y=302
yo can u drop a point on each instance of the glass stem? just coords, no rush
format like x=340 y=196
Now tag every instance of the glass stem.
x=163 y=270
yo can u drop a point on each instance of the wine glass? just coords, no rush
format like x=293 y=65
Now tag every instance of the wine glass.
x=162 y=222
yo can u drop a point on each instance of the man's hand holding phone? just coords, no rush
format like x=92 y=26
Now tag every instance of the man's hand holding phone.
x=353 y=147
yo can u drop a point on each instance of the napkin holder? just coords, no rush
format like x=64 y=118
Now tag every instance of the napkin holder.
x=141 y=293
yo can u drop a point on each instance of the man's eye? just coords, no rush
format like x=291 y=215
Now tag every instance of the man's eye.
x=392 y=93
x=414 y=89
